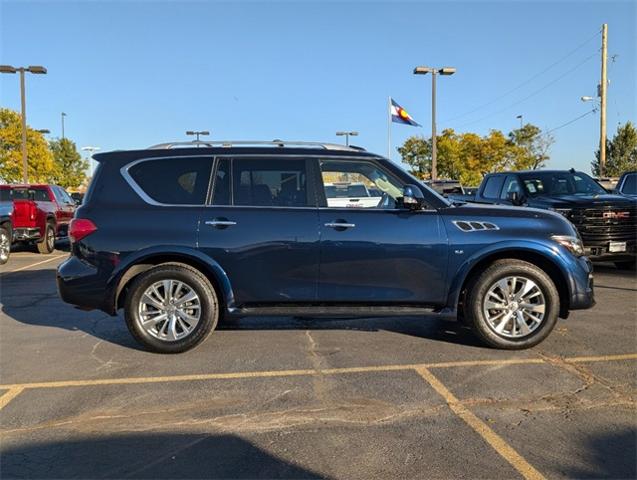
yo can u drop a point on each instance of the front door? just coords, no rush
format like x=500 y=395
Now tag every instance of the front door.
x=372 y=251
x=262 y=229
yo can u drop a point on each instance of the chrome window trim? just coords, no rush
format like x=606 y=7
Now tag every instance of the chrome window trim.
x=124 y=171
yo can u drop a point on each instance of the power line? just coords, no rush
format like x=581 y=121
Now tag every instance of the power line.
x=572 y=121
x=526 y=82
x=533 y=94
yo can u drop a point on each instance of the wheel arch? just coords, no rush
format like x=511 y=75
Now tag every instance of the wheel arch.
x=543 y=258
x=122 y=277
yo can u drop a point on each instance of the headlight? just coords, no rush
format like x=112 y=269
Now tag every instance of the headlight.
x=573 y=244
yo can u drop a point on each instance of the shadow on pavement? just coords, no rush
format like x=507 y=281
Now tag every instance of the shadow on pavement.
x=30 y=297
x=148 y=456
x=614 y=456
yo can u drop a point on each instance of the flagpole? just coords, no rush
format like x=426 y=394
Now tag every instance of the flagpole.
x=389 y=127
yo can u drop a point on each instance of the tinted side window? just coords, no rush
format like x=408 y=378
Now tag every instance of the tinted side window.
x=41 y=195
x=221 y=192
x=6 y=195
x=266 y=182
x=493 y=186
x=174 y=181
x=57 y=194
x=512 y=184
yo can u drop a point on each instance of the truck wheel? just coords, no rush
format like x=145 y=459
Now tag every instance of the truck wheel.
x=5 y=245
x=171 y=308
x=630 y=265
x=47 y=244
x=512 y=305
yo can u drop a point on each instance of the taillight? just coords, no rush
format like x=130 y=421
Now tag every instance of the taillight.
x=80 y=228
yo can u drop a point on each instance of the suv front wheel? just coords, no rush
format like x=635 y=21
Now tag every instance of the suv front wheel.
x=512 y=305
x=171 y=308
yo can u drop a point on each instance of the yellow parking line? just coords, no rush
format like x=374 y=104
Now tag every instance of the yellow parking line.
x=10 y=395
x=493 y=439
x=36 y=264
x=305 y=372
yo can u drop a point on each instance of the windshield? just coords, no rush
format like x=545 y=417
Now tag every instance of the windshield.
x=560 y=183
x=629 y=185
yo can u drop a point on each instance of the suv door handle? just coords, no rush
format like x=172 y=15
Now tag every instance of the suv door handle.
x=340 y=225
x=220 y=223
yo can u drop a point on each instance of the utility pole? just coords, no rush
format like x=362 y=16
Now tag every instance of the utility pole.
x=602 y=94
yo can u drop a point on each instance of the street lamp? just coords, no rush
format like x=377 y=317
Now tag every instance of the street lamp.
x=90 y=151
x=346 y=135
x=434 y=73
x=521 y=118
x=44 y=131
x=63 y=115
x=197 y=133
x=38 y=70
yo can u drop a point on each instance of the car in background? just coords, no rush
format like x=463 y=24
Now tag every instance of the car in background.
x=607 y=183
x=627 y=184
x=446 y=187
x=77 y=197
x=607 y=223
x=354 y=195
x=42 y=213
x=6 y=224
x=181 y=237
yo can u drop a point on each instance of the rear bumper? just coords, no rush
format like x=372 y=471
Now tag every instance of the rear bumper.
x=81 y=284
x=25 y=234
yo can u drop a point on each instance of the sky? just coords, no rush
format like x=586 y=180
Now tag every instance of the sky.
x=130 y=74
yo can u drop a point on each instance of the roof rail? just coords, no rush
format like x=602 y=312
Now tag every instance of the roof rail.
x=256 y=143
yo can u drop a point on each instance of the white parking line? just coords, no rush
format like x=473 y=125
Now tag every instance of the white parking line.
x=36 y=264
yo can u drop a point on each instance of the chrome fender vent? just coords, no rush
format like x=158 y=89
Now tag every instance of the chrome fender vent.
x=474 y=226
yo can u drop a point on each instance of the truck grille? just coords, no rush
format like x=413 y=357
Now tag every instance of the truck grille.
x=601 y=225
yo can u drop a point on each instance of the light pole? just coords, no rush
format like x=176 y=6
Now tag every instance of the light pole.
x=90 y=151
x=44 y=131
x=63 y=115
x=197 y=133
x=434 y=73
x=38 y=70
x=521 y=118
x=346 y=135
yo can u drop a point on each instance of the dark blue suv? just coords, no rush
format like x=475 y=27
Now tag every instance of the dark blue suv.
x=180 y=237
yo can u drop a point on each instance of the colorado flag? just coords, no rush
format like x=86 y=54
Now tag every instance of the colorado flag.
x=400 y=115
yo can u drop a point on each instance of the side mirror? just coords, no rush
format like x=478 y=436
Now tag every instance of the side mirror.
x=413 y=199
x=515 y=198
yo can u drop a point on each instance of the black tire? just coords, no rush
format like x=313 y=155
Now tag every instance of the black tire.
x=629 y=265
x=479 y=287
x=5 y=244
x=194 y=279
x=47 y=244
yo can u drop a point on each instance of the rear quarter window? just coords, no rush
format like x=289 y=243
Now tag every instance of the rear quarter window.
x=173 y=181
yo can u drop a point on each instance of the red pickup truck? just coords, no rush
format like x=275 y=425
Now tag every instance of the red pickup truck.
x=41 y=213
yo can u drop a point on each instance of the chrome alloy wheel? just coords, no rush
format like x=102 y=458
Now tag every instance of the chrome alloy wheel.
x=514 y=307
x=169 y=310
x=50 y=239
x=5 y=247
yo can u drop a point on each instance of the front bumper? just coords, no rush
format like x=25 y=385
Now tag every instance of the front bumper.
x=24 y=234
x=582 y=281
x=602 y=253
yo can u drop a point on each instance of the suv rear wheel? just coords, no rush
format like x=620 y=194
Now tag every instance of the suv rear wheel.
x=512 y=305
x=171 y=308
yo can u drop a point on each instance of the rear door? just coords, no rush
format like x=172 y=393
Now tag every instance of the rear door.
x=379 y=253
x=262 y=228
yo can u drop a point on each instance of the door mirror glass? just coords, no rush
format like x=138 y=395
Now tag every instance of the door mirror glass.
x=413 y=199
x=515 y=198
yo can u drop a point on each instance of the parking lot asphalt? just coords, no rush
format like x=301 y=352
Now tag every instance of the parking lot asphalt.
x=289 y=398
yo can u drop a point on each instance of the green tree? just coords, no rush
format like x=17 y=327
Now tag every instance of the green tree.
x=41 y=167
x=70 y=168
x=534 y=145
x=416 y=153
x=621 y=152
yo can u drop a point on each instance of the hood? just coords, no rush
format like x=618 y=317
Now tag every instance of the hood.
x=582 y=201
x=476 y=209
